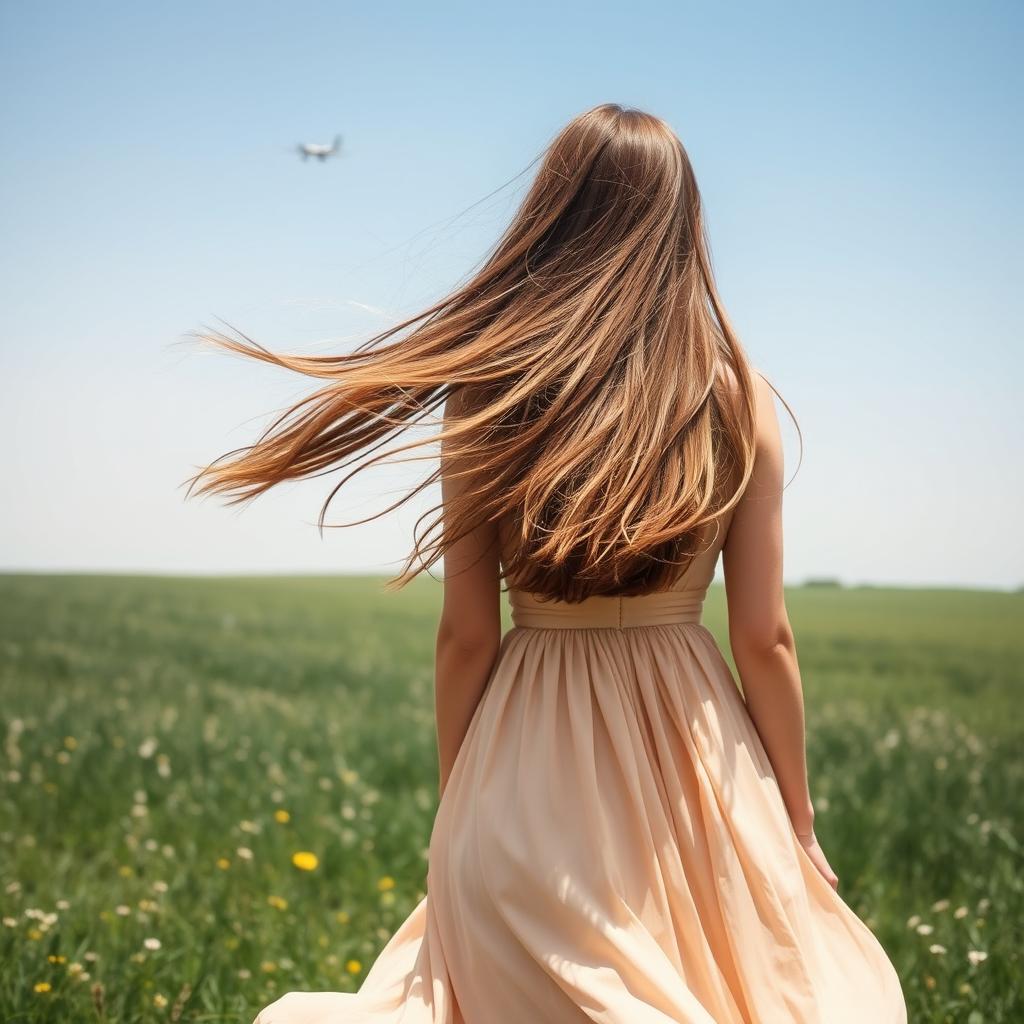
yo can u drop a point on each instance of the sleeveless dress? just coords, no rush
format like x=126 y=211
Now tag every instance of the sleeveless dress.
x=612 y=845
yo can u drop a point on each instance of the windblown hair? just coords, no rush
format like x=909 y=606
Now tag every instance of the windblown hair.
x=595 y=391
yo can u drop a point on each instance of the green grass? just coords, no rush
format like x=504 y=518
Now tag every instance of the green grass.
x=152 y=727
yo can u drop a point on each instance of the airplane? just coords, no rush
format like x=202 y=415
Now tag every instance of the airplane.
x=319 y=149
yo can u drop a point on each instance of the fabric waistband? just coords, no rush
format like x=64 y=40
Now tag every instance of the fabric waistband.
x=660 y=608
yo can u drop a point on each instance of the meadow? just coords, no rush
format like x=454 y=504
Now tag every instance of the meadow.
x=216 y=790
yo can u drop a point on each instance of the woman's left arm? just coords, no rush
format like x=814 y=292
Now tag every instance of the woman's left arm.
x=469 y=631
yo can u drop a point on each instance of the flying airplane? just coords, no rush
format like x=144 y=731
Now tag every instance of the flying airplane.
x=319 y=149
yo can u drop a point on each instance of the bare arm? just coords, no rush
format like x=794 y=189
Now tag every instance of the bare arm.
x=760 y=636
x=469 y=631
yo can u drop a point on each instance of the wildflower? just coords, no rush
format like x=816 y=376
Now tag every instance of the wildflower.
x=10 y=922
x=70 y=742
x=34 y=934
x=244 y=853
x=960 y=912
x=385 y=883
x=268 y=967
x=151 y=943
x=353 y=966
x=936 y=948
x=939 y=905
x=244 y=973
x=305 y=861
x=278 y=902
x=91 y=956
x=929 y=981
x=924 y=929
x=159 y=886
x=56 y=958
x=147 y=748
x=913 y=922
x=63 y=905
x=223 y=863
x=282 y=816
x=125 y=871
x=75 y=969
x=341 y=917
x=122 y=910
x=41 y=986
x=976 y=956
x=159 y=1001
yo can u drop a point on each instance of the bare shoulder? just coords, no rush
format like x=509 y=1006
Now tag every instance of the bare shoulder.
x=764 y=398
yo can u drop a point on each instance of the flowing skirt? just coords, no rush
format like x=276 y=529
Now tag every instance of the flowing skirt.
x=612 y=846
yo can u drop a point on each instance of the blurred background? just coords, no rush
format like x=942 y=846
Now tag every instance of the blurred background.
x=194 y=695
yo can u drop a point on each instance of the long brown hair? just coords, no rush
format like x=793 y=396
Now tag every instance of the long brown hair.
x=599 y=396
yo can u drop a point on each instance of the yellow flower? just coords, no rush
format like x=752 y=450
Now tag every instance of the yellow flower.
x=341 y=917
x=56 y=958
x=124 y=871
x=159 y=1000
x=282 y=815
x=353 y=966
x=223 y=863
x=278 y=902
x=70 y=742
x=305 y=861
x=35 y=934
x=268 y=967
x=41 y=986
x=385 y=883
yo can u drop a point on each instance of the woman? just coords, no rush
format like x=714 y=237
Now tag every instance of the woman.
x=622 y=836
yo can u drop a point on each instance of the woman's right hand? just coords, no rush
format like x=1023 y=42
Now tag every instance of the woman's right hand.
x=810 y=844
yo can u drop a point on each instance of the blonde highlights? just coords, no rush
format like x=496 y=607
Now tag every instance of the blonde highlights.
x=596 y=392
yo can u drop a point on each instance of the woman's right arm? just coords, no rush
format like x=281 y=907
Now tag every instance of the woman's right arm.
x=760 y=635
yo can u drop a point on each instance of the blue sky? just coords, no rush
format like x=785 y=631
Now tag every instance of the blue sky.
x=860 y=167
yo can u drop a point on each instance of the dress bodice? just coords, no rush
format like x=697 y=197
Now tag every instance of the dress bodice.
x=682 y=602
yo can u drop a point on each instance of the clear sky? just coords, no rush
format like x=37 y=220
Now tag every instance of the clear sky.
x=860 y=166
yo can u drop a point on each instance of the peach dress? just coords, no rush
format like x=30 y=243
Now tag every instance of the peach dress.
x=612 y=846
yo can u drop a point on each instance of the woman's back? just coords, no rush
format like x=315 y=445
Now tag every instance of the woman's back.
x=684 y=598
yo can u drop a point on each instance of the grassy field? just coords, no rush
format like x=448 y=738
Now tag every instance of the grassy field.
x=169 y=745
